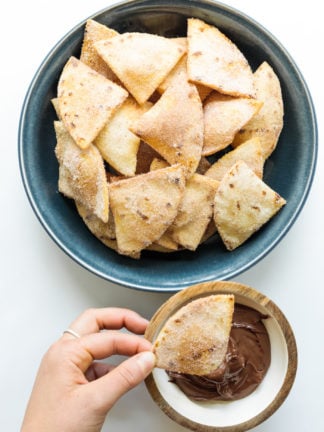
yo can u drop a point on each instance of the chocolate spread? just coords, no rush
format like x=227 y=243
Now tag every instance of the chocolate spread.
x=246 y=362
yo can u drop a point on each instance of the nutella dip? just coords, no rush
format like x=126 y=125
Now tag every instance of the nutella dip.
x=244 y=367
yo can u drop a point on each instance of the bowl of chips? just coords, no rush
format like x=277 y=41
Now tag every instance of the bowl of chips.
x=211 y=376
x=146 y=170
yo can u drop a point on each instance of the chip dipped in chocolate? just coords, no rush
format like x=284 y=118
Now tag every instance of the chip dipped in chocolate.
x=194 y=340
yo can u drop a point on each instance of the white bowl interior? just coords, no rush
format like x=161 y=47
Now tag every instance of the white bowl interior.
x=223 y=414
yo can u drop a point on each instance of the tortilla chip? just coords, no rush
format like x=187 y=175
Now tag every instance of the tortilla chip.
x=86 y=101
x=55 y=103
x=65 y=182
x=250 y=152
x=195 y=211
x=158 y=164
x=243 y=203
x=166 y=241
x=194 y=340
x=216 y=62
x=268 y=122
x=210 y=231
x=174 y=126
x=176 y=72
x=224 y=116
x=95 y=32
x=158 y=248
x=140 y=60
x=144 y=206
x=105 y=232
x=82 y=173
x=117 y=144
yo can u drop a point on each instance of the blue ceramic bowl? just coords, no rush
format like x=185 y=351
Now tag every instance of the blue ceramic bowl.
x=289 y=170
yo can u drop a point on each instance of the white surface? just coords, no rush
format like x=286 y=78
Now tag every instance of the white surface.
x=42 y=290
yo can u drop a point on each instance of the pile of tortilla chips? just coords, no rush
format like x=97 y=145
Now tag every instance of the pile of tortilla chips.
x=141 y=121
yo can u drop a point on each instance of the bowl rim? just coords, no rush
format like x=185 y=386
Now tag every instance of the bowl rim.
x=153 y=286
x=245 y=291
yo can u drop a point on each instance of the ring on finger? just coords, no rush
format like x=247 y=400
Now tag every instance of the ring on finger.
x=72 y=333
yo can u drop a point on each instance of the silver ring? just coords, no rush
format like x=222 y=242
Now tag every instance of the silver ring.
x=72 y=332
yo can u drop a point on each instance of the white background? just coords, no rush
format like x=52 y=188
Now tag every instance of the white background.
x=42 y=289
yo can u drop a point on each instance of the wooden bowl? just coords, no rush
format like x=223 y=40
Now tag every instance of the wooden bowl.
x=233 y=416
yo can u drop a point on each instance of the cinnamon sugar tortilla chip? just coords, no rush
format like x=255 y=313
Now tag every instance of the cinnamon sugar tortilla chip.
x=86 y=100
x=158 y=164
x=95 y=32
x=144 y=206
x=166 y=241
x=194 y=339
x=243 y=203
x=82 y=173
x=55 y=103
x=117 y=144
x=174 y=125
x=268 y=122
x=195 y=211
x=105 y=232
x=250 y=152
x=176 y=72
x=140 y=60
x=216 y=62
x=224 y=116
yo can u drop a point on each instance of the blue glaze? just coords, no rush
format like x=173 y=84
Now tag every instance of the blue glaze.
x=289 y=170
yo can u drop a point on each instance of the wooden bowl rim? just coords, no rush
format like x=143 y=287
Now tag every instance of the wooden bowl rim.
x=226 y=287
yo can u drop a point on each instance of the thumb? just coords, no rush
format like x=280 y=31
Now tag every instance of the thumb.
x=123 y=378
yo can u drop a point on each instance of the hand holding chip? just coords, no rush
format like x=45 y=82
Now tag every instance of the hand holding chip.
x=74 y=392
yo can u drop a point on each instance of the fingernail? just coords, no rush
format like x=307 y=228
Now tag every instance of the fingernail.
x=146 y=361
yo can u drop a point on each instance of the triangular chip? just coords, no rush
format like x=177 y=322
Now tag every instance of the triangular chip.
x=250 y=152
x=224 y=116
x=86 y=101
x=65 y=182
x=195 y=211
x=95 y=32
x=243 y=203
x=105 y=232
x=55 y=103
x=144 y=206
x=140 y=60
x=174 y=125
x=216 y=62
x=158 y=248
x=194 y=340
x=177 y=71
x=82 y=173
x=268 y=122
x=117 y=144
x=158 y=164
x=166 y=241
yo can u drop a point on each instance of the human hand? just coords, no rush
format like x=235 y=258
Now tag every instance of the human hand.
x=73 y=392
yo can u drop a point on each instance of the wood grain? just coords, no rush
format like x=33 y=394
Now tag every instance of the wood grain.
x=243 y=294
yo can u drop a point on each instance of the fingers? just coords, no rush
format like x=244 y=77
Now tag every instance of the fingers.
x=94 y=320
x=104 y=344
x=97 y=370
x=109 y=388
